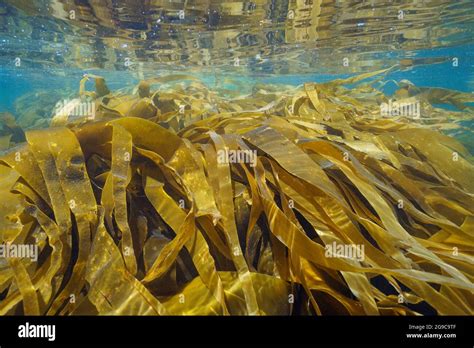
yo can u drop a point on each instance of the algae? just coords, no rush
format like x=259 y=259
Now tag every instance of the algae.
x=141 y=217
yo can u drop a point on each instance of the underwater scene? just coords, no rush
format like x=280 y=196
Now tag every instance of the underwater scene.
x=234 y=157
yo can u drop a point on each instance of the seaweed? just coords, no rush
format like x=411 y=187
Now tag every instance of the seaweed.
x=140 y=214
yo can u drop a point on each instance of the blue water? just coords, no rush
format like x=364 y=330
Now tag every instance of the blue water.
x=16 y=82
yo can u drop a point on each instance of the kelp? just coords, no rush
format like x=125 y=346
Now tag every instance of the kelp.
x=139 y=215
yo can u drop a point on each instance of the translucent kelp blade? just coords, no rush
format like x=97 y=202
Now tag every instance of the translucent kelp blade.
x=149 y=210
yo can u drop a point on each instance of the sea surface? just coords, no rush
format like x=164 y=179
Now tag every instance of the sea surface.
x=46 y=46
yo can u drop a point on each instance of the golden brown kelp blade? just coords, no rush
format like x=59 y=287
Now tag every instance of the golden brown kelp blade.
x=307 y=204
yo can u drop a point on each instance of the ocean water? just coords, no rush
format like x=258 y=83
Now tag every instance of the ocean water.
x=423 y=48
x=49 y=45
